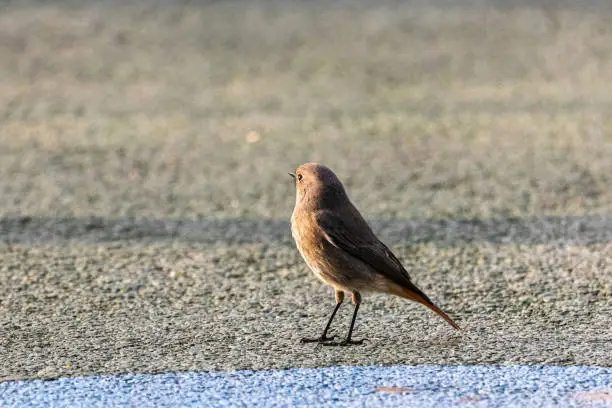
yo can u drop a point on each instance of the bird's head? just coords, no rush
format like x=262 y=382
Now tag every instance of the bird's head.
x=318 y=186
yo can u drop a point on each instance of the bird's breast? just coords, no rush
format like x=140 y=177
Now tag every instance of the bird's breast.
x=306 y=236
x=309 y=242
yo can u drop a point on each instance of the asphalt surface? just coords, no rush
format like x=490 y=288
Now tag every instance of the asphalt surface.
x=144 y=201
x=439 y=386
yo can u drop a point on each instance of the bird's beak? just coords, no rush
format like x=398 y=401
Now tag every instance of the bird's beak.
x=292 y=175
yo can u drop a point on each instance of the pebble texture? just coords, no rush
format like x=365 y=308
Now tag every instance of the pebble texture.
x=144 y=196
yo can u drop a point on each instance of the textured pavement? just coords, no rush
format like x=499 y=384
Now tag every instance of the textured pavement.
x=144 y=201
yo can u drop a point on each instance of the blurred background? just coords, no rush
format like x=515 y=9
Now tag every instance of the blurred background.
x=145 y=201
x=186 y=109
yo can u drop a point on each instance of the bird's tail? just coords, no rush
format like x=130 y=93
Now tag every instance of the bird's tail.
x=415 y=294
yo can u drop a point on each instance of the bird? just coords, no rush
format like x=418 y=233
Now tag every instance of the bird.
x=341 y=249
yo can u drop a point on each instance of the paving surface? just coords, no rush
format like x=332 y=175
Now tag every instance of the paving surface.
x=144 y=201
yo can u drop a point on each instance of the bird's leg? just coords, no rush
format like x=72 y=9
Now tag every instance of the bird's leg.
x=323 y=338
x=348 y=341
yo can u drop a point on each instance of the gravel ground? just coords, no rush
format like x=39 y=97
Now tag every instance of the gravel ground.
x=144 y=200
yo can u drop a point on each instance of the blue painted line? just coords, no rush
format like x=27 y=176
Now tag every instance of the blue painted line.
x=422 y=386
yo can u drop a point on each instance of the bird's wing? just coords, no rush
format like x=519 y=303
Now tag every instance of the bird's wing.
x=356 y=238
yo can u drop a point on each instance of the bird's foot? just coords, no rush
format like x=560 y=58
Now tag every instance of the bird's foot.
x=347 y=342
x=321 y=339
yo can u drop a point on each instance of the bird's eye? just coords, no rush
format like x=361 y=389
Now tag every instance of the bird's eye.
x=299 y=177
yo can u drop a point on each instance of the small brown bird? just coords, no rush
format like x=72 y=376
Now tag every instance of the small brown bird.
x=340 y=248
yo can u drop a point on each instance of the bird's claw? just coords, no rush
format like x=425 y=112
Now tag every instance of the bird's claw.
x=321 y=339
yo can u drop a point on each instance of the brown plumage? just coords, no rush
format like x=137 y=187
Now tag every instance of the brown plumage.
x=340 y=248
